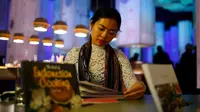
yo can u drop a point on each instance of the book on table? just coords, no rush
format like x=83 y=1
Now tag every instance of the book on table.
x=49 y=87
x=164 y=87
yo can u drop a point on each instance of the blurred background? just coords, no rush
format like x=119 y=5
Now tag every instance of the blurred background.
x=153 y=31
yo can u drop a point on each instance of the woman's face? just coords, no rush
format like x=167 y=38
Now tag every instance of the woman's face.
x=103 y=31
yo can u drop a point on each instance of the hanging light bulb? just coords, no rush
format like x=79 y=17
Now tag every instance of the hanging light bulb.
x=60 y=27
x=137 y=69
x=81 y=31
x=18 y=38
x=47 y=42
x=59 y=43
x=4 y=35
x=34 y=40
x=41 y=24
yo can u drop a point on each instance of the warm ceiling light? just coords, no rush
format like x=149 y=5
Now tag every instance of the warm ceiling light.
x=34 y=40
x=141 y=31
x=40 y=24
x=18 y=38
x=137 y=69
x=47 y=41
x=4 y=35
x=59 y=43
x=81 y=31
x=60 y=27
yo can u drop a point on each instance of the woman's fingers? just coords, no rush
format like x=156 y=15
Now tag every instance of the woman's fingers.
x=136 y=91
x=135 y=95
x=137 y=86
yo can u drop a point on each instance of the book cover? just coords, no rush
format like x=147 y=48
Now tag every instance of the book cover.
x=164 y=87
x=50 y=87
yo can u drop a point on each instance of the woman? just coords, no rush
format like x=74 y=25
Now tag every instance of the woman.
x=99 y=63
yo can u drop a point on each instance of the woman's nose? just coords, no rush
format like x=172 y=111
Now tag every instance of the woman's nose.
x=104 y=34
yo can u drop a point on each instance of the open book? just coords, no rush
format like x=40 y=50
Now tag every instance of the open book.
x=164 y=87
x=91 y=90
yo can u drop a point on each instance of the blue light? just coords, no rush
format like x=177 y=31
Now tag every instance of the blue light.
x=185 y=34
x=167 y=42
x=91 y=13
x=174 y=52
x=160 y=27
x=147 y=55
x=46 y=11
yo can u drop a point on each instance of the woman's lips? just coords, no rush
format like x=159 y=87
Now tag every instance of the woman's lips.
x=101 y=42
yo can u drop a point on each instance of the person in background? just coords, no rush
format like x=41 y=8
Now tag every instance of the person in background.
x=99 y=63
x=194 y=59
x=186 y=57
x=187 y=70
x=161 y=57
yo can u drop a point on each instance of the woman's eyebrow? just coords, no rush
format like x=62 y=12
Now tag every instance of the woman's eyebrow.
x=102 y=25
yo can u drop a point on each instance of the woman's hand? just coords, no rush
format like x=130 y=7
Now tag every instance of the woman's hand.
x=136 y=91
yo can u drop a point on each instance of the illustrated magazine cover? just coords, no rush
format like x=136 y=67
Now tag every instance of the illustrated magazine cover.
x=164 y=87
x=50 y=87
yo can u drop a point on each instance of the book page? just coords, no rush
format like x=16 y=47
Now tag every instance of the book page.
x=93 y=86
x=91 y=90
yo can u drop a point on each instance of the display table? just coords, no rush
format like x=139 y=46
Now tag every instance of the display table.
x=143 y=105
x=8 y=73
x=8 y=78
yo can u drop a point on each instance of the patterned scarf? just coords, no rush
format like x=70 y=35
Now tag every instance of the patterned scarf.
x=112 y=73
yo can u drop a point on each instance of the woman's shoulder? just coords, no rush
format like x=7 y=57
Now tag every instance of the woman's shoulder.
x=75 y=50
x=119 y=53
x=72 y=55
x=121 y=56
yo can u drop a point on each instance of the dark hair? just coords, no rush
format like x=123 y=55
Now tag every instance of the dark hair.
x=107 y=13
x=159 y=49
x=188 y=46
